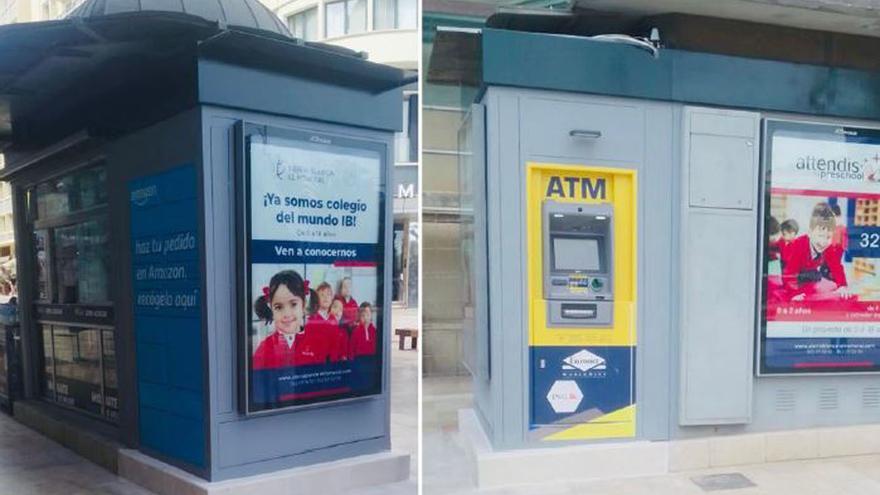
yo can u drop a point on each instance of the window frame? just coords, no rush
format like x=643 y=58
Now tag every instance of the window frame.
x=301 y=14
x=346 y=29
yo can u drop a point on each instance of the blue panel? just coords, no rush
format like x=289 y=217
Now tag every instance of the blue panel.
x=151 y=363
x=603 y=382
x=166 y=398
x=167 y=304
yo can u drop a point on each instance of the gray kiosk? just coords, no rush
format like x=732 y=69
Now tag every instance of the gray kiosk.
x=732 y=316
x=202 y=218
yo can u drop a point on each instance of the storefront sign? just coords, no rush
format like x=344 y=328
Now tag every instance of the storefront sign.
x=313 y=258
x=821 y=287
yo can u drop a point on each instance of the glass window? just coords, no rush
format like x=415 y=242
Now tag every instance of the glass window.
x=397 y=288
x=111 y=387
x=48 y=383
x=406 y=142
x=304 y=24
x=78 y=367
x=356 y=16
x=81 y=262
x=71 y=254
x=41 y=248
x=71 y=193
x=345 y=17
x=335 y=19
x=394 y=14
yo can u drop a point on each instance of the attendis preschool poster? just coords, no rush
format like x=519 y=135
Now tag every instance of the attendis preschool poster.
x=822 y=249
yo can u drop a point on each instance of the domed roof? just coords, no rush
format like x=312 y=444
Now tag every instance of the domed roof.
x=250 y=14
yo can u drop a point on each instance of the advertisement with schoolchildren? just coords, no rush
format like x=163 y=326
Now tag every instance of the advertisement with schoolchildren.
x=822 y=250
x=315 y=208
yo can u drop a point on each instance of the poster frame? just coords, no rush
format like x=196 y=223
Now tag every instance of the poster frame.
x=242 y=131
x=768 y=126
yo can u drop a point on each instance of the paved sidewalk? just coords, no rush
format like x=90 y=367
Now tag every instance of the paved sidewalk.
x=32 y=464
x=446 y=472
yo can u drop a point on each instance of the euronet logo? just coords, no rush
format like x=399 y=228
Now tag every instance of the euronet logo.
x=832 y=169
x=583 y=360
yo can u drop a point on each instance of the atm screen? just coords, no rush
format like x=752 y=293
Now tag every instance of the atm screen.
x=576 y=254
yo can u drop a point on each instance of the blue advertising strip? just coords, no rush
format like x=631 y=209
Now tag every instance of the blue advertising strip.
x=863 y=242
x=289 y=252
x=818 y=354
x=603 y=382
x=166 y=302
x=307 y=383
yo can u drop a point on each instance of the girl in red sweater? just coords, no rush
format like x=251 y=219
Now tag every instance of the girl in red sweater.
x=363 y=336
x=292 y=343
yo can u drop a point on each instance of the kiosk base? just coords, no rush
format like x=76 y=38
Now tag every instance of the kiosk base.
x=335 y=477
x=571 y=463
x=491 y=468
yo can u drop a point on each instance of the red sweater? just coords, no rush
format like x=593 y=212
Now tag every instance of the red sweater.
x=335 y=335
x=798 y=258
x=309 y=347
x=349 y=311
x=363 y=341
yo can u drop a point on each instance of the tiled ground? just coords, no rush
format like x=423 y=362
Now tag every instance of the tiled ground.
x=446 y=473
x=32 y=464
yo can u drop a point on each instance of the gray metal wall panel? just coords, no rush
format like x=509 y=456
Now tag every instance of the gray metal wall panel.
x=250 y=445
x=482 y=346
x=718 y=262
x=656 y=216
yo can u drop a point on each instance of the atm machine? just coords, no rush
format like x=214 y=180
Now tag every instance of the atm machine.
x=577 y=272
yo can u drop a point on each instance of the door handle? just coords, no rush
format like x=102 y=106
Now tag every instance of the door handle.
x=585 y=134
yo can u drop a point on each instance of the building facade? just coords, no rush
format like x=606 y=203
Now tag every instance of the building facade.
x=387 y=32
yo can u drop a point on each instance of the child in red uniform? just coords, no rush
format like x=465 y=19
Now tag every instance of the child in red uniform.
x=325 y=322
x=363 y=337
x=292 y=343
x=812 y=267
x=349 y=305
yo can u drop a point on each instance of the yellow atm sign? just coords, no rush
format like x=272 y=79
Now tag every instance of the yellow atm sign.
x=574 y=187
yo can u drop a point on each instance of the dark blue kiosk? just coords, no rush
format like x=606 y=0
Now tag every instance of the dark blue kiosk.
x=201 y=217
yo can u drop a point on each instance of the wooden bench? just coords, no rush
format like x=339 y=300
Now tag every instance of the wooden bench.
x=407 y=332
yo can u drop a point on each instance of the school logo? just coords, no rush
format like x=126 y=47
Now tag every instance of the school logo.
x=583 y=360
x=576 y=187
x=565 y=396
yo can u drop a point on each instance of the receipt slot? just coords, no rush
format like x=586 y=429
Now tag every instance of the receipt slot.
x=578 y=264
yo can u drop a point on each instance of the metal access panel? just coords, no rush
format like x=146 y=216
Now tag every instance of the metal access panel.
x=718 y=250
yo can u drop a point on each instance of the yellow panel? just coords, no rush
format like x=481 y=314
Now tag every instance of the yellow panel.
x=619 y=191
x=618 y=424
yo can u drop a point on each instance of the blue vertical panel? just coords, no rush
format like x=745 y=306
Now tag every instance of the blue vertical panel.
x=167 y=297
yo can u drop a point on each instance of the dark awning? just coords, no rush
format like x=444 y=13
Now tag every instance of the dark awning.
x=58 y=77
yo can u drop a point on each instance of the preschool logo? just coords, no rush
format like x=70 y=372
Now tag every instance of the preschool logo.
x=583 y=360
x=576 y=188
x=843 y=168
